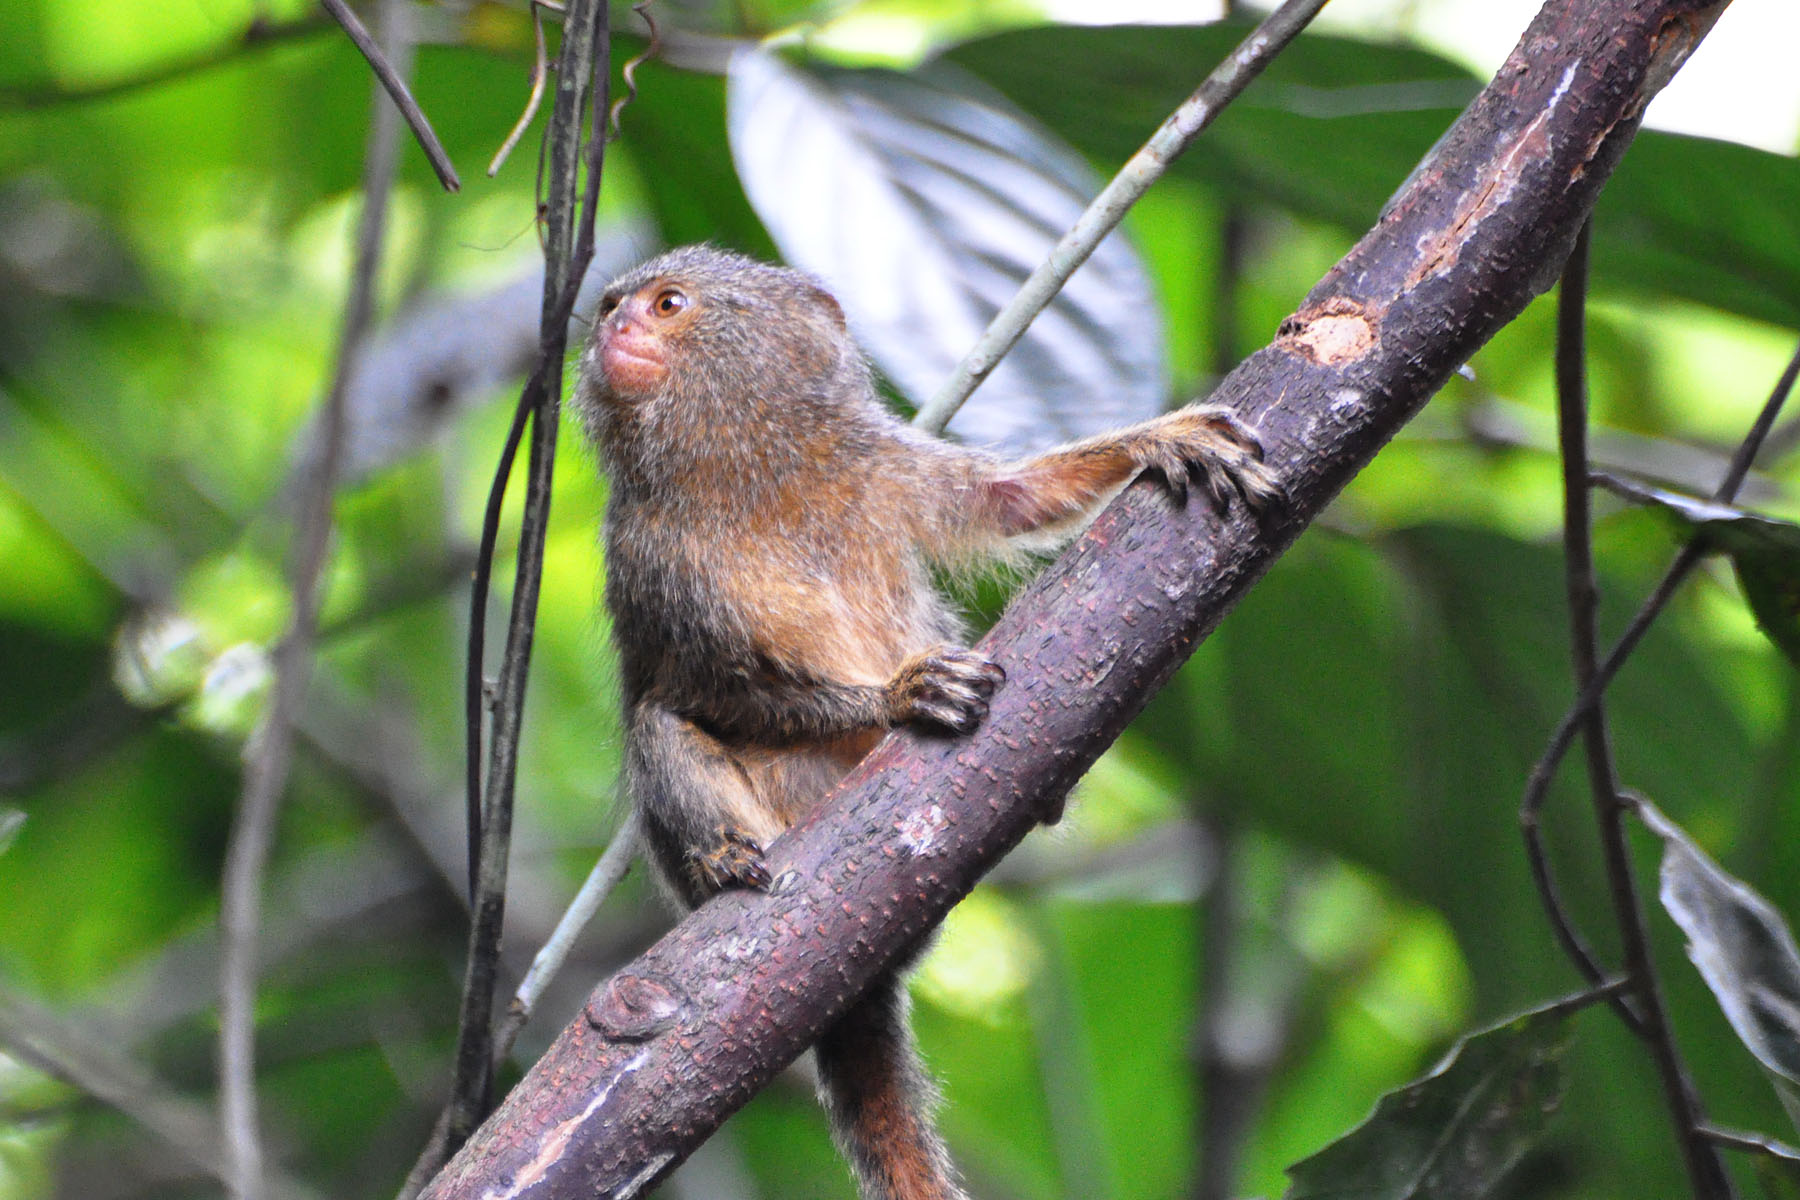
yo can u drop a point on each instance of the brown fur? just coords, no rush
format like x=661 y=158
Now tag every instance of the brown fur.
x=769 y=537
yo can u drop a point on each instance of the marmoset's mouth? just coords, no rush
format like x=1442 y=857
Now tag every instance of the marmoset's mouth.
x=626 y=365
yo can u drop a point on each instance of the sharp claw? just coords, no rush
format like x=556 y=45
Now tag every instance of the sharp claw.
x=738 y=861
x=1219 y=482
x=931 y=710
x=954 y=718
x=952 y=690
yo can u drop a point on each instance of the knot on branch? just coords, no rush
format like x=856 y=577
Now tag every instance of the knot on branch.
x=635 y=1008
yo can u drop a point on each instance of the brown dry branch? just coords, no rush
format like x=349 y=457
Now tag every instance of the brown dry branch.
x=681 y=1038
x=570 y=202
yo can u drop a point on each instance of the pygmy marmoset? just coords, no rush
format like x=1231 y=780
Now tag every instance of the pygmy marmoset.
x=770 y=533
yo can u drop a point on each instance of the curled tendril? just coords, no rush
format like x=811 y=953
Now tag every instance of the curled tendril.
x=629 y=70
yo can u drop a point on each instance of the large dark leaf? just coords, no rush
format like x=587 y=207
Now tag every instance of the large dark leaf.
x=1455 y=1133
x=924 y=200
x=1743 y=949
x=1335 y=124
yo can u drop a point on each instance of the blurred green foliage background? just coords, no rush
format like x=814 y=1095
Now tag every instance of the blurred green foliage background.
x=1299 y=877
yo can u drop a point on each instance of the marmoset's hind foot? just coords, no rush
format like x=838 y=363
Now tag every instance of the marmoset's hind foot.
x=1210 y=441
x=946 y=688
x=735 y=860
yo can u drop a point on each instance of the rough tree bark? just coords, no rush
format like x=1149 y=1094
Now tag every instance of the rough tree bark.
x=681 y=1038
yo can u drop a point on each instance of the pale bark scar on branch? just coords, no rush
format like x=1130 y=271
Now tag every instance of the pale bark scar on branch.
x=1530 y=148
x=1336 y=332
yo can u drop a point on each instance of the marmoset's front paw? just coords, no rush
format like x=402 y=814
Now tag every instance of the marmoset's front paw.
x=1206 y=440
x=945 y=688
x=735 y=860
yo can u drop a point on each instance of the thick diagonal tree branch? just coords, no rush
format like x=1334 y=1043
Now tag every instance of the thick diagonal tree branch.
x=675 y=1042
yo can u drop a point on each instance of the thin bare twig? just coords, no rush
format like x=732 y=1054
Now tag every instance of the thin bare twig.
x=1102 y=216
x=569 y=215
x=540 y=68
x=475 y=686
x=613 y=865
x=398 y=92
x=1572 y=434
x=475 y=705
x=265 y=774
x=1706 y=1172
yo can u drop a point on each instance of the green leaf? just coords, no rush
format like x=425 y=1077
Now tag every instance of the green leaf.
x=1454 y=1134
x=1335 y=124
x=1765 y=553
x=924 y=200
x=1742 y=947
